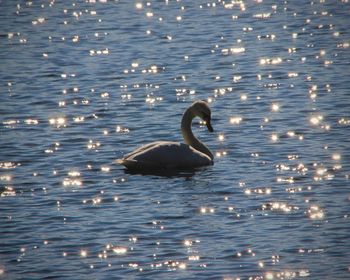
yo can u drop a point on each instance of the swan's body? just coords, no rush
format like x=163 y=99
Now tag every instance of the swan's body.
x=165 y=155
x=174 y=155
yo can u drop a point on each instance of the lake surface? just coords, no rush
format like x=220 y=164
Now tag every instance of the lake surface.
x=85 y=82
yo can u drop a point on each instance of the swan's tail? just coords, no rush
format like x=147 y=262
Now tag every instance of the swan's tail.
x=128 y=163
x=136 y=165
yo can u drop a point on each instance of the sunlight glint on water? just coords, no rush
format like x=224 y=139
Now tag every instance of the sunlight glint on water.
x=85 y=82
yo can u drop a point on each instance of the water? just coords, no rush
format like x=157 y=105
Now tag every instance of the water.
x=84 y=82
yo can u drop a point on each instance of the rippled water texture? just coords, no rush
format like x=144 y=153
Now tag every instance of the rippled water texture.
x=84 y=82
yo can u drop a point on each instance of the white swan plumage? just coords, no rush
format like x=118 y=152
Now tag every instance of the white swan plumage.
x=173 y=155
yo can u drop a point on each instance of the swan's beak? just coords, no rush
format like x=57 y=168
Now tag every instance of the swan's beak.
x=210 y=128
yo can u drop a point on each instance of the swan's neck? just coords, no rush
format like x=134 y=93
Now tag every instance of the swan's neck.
x=190 y=139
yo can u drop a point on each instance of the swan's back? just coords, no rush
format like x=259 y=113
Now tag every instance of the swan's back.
x=165 y=155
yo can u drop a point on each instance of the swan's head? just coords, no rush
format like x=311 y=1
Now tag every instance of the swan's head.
x=202 y=110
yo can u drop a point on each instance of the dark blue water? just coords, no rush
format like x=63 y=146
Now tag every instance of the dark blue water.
x=84 y=82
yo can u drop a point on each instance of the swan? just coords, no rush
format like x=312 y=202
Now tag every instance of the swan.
x=173 y=155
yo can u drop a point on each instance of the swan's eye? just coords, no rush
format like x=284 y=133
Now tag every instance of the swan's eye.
x=206 y=117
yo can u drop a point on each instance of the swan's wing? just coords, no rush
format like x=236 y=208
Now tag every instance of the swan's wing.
x=158 y=155
x=133 y=160
x=143 y=148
